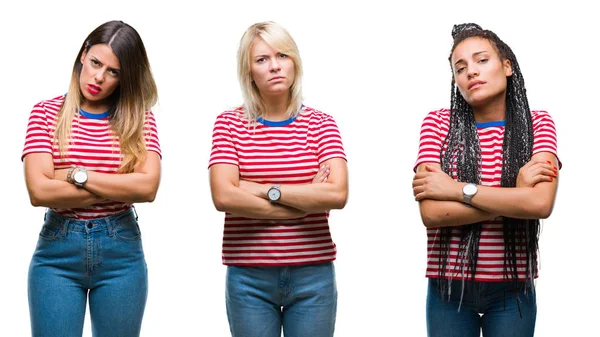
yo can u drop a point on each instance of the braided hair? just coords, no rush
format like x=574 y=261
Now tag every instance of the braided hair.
x=461 y=158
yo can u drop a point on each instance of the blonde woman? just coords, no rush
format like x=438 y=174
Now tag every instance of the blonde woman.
x=277 y=167
x=89 y=155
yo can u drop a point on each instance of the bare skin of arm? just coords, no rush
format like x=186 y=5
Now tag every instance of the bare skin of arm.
x=441 y=198
x=45 y=190
x=311 y=198
x=229 y=197
x=139 y=186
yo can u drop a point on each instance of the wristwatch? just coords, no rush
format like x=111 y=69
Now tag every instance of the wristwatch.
x=469 y=191
x=80 y=177
x=274 y=193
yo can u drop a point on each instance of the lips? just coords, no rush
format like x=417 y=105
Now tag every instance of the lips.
x=93 y=89
x=276 y=78
x=475 y=84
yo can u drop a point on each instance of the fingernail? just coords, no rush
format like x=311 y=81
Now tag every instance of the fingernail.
x=555 y=168
x=548 y=162
x=550 y=178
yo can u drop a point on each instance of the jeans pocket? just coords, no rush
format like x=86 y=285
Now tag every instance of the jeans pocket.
x=49 y=233
x=128 y=232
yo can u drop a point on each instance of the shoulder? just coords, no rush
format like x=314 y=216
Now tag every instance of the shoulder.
x=537 y=115
x=50 y=106
x=315 y=116
x=236 y=114
x=438 y=115
x=437 y=120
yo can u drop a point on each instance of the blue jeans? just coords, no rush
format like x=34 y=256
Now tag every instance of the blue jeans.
x=301 y=299
x=488 y=307
x=100 y=258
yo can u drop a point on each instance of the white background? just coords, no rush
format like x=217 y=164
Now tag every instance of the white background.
x=378 y=68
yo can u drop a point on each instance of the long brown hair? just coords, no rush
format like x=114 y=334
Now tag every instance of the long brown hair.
x=135 y=95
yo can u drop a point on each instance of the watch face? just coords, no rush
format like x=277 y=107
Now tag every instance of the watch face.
x=80 y=177
x=470 y=189
x=274 y=194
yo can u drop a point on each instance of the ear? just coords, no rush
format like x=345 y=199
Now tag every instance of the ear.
x=507 y=68
x=83 y=56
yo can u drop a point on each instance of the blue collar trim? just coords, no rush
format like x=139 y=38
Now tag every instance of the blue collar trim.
x=484 y=125
x=94 y=116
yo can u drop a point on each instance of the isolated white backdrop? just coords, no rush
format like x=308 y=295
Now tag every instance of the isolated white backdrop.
x=378 y=68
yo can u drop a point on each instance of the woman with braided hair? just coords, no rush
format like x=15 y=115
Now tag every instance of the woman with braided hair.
x=486 y=173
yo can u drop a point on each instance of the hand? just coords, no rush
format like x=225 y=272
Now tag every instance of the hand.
x=536 y=171
x=321 y=176
x=435 y=184
x=61 y=174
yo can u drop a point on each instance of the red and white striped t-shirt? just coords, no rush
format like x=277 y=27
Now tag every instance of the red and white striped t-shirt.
x=94 y=147
x=490 y=263
x=284 y=153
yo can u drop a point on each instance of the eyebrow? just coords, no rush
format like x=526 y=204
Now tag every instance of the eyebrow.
x=474 y=54
x=98 y=60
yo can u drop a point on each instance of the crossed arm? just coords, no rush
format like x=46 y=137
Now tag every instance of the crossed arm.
x=328 y=190
x=49 y=187
x=441 y=200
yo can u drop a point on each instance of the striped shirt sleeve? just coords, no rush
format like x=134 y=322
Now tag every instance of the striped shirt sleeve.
x=329 y=140
x=223 y=149
x=38 y=138
x=151 y=134
x=432 y=137
x=544 y=134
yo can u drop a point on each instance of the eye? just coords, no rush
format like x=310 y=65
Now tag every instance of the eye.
x=283 y=56
x=260 y=60
x=94 y=62
x=483 y=60
x=113 y=72
x=460 y=70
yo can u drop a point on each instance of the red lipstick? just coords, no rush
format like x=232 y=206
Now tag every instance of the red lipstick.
x=93 y=89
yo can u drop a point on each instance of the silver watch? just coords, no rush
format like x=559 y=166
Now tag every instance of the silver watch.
x=80 y=177
x=274 y=193
x=469 y=191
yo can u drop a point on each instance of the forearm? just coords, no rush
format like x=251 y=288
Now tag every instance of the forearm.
x=61 y=194
x=236 y=201
x=128 y=187
x=312 y=198
x=514 y=202
x=435 y=213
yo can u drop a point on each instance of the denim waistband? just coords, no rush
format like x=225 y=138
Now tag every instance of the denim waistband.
x=55 y=220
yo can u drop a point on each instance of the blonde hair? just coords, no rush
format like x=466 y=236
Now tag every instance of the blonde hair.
x=135 y=95
x=278 y=38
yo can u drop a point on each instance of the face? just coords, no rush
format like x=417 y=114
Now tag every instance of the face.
x=479 y=72
x=99 y=76
x=272 y=71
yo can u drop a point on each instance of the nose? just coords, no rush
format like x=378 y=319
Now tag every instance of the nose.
x=99 y=76
x=472 y=71
x=275 y=66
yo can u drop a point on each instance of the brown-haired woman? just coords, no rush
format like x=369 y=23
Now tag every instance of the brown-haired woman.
x=88 y=156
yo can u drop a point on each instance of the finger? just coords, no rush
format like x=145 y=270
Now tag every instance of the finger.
x=432 y=168
x=417 y=190
x=541 y=178
x=545 y=171
x=421 y=175
x=418 y=182
x=325 y=179
x=420 y=196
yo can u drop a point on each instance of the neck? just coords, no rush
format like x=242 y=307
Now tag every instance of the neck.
x=276 y=107
x=95 y=107
x=495 y=110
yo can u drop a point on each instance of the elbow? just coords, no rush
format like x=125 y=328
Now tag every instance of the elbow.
x=543 y=210
x=220 y=203
x=340 y=200
x=35 y=199
x=430 y=221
